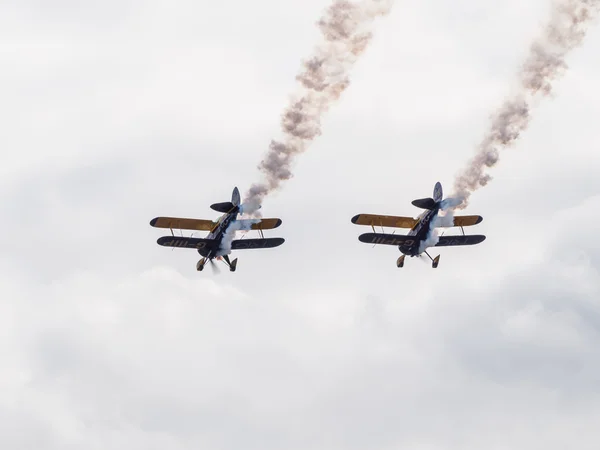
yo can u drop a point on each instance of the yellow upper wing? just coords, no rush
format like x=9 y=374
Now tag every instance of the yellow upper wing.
x=266 y=224
x=466 y=221
x=206 y=225
x=184 y=224
x=384 y=221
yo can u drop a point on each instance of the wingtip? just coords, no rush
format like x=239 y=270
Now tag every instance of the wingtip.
x=355 y=218
x=153 y=221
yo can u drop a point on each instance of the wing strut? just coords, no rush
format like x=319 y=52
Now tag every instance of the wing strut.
x=382 y=230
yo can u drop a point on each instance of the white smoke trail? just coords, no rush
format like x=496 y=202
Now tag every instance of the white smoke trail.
x=346 y=33
x=440 y=221
x=544 y=65
x=229 y=235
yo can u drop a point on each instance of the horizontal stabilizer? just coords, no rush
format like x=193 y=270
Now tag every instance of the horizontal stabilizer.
x=245 y=244
x=425 y=203
x=185 y=242
x=181 y=223
x=386 y=239
x=224 y=207
x=449 y=241
x=376 y=220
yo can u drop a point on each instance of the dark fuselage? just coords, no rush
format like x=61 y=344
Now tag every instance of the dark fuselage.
x=419 y=231
x=218 y=234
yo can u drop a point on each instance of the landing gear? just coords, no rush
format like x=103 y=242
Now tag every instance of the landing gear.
x=434 y=262
x=232 y=264
x=400 y=261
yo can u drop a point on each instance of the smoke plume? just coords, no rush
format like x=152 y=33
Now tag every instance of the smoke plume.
x=230 y=232
x=443 y=220
x=345 y=27
x=544 y=65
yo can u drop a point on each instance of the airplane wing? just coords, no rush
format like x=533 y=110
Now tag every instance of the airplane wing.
x=197 y=243
x=448 y=241
x=264 y=224
x=386 y=239
x=184 y=242
x=384 y=221
x=183 y=224
x=467 y=221
x=245 y=244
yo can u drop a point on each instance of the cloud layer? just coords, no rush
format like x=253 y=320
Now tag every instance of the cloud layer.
x=122 y=112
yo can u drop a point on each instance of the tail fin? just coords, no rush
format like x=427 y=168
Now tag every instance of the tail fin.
x=438 y=194
x=235 y=197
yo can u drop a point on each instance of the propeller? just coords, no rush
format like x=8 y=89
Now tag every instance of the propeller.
x=214 y=266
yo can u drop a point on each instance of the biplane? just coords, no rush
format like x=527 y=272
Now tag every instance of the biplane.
x=219 y=241
x=415 y=242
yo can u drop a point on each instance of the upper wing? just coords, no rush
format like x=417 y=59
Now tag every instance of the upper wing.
x=384 y=221
x=244 y=244
x=387 y=239
x=447 y=241
x=183 y=224
x=264 y=224
x=466 y=221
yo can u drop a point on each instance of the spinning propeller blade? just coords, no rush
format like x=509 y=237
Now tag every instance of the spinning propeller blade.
x=214 y=266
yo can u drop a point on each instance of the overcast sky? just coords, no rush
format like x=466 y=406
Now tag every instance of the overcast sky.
x=116 y=112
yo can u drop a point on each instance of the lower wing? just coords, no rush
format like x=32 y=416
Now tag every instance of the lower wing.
x=386 y=239
x=449 y=241
x=185 y=242
x=246 y=244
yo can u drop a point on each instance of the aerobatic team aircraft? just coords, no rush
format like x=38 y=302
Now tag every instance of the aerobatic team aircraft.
x=219 y=241
x=414 y=244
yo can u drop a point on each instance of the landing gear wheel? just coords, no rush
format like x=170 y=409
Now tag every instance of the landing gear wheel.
x=200 y=265
x=233 y=265
x=435 y=262
x=400 y=261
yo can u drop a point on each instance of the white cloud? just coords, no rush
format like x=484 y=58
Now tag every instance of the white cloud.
x=119 y=112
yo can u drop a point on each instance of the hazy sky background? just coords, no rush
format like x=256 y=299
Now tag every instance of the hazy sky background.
x=116 y=112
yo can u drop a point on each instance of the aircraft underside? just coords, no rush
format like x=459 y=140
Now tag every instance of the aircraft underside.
x=420 y=228
x=211 y=247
